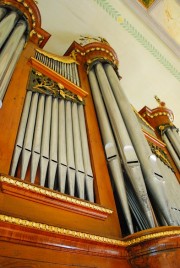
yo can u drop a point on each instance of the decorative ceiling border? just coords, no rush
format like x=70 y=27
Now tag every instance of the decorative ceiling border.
x=87 y=236
x=138 y=36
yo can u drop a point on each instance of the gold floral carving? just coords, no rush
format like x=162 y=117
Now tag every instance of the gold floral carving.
x=81 y=235
x=59 y=196
x=160 y=153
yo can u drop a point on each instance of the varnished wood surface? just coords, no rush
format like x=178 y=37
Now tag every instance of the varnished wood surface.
x=20 y=246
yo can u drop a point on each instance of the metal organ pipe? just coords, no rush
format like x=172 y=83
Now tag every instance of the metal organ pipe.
x=9 y=72
x=6 y=26
x=62 y=158
x=86 y=155
x=125 y=146
x=21 y=133
x=171 y=150
x=70 y=150
x=11 y=46
x=52 y=136
x=53 y=144
x=28 y=139
x=44 y=159
x=11 y=36
x=173 y=139
x=152 y=174
x=110 y=148
x=36 y=148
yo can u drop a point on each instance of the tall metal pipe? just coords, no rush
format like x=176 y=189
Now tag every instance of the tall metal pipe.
x=171 y=150
x=10 y=47
x=6 y=26
x=21 y=133
x=125 y=146
x=173 y=140
x=53 y=144
x=86 y=155
x=80 y=175
x=36 y=148
x=152 y=174
x=70 y=150
x=110 y=148
x=11 y=67
x=62 y=158
x=28 y=139
x=44 y=159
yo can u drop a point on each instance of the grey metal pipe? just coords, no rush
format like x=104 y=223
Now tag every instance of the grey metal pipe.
x=110 y=148
x=76 y=75
x=176 y=134
x=62 y=159
x=171 y=151
x=70 y=150
x=5 y=82
x=152 y=175
x=86 y=155
x=10 y=47
x=53 y=144
x=6 y=26
x=36 y=148
x=44 y=159
x=173 y=140
x=21 y=133
x=125 y=146
x=80 y=175
x=28 y=138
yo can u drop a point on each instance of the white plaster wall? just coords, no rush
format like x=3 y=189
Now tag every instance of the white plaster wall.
x=143 y=74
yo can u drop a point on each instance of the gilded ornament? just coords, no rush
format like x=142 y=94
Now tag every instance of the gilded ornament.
x=55 y=195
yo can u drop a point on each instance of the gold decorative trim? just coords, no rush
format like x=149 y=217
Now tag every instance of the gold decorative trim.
x=95 y=49
x=161 y=143
x=64 y=59
x=59 y=196
x=136 y=112
x=157 y=114
x=59 y=230
x=161 y=154
x=91 y=237
x=33 y=32
x=143 y=238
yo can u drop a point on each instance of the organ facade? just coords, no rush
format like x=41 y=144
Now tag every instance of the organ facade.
x=86 y=180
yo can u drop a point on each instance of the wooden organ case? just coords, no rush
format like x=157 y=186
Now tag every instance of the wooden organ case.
x=72 y=190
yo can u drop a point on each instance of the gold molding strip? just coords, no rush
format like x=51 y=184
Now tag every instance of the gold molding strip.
x=81 y=235
x=62 y=231
x=59 y=196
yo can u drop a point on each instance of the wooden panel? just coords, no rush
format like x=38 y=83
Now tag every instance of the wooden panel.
x=22 y=246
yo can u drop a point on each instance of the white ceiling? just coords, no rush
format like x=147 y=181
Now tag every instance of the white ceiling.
x=148 y=67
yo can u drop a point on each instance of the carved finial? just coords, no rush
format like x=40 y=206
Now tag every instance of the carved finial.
x=161 y=103
x=89 y=39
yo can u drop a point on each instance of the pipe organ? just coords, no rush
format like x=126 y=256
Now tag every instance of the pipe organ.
x=86 y=180
x=53 y=134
